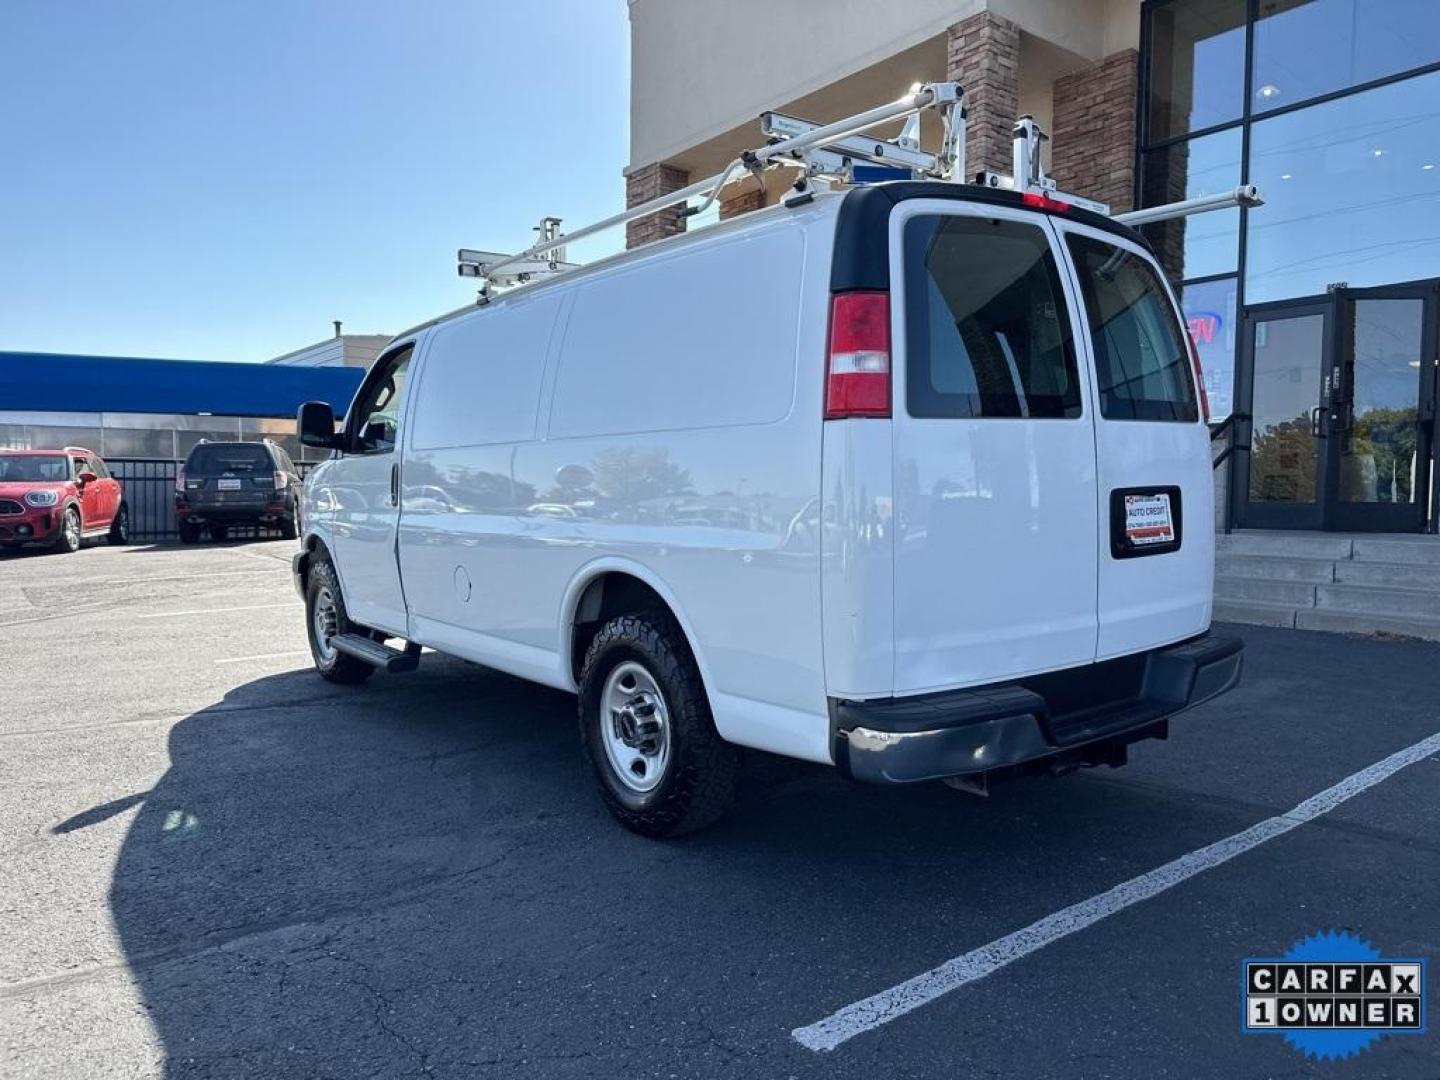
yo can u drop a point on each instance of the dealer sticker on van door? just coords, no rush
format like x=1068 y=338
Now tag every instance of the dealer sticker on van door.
x=1147 y=519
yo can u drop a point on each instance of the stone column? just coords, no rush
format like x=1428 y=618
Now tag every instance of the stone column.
x=983 y=56
x=1092 y=146
x=644 y=184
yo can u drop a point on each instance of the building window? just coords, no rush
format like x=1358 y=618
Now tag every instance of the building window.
x=1210 y=308
x=1196 y=65
x=1352 y=190
x=1305 y=48
x=1207 y=244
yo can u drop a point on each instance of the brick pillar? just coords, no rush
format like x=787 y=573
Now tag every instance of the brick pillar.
x=742 y=202
x=983 y=55
x=644 y=184
x=1092 y=146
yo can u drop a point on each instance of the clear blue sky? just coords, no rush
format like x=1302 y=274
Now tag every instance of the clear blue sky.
x=218 y=180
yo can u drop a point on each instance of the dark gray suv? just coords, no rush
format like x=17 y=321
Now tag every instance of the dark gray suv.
x=237 y=483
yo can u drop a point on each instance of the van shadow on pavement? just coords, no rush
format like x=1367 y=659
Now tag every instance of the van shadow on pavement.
x=417 y=875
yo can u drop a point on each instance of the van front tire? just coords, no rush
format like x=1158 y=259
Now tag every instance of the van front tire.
x=645 y=723
x=325 y=618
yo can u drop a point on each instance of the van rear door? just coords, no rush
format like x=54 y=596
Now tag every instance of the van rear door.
x=996 y=544
x=1156 y=500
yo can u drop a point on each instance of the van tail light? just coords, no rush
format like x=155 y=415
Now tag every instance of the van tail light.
x=180 y=480
x=857 y=378
x=1199 y=377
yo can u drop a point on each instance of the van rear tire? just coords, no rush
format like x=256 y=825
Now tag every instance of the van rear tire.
x=646 y=726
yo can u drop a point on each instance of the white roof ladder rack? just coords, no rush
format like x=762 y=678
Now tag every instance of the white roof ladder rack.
x=840 y=152
x=1029 y=177
x=824 y=151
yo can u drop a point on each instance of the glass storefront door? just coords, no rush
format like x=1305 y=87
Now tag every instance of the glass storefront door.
x=1341 y=396
x=1381 y=415
x=1280 y=483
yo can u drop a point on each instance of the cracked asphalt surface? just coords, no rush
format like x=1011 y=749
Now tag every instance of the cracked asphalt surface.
x=213 y=864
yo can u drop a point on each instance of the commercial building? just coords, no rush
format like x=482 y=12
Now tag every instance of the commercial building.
x=1315 y=314
x=341 y=350
x=130 y=407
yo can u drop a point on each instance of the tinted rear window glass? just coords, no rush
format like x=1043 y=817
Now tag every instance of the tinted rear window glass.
x=228 y=457
x=987 y=334
x=1142 y=361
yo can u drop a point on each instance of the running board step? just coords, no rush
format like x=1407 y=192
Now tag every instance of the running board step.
x=377 y=653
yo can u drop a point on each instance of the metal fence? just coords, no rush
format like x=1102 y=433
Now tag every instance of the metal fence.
x=150 y=495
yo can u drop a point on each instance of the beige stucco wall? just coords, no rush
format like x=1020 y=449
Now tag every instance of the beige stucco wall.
x=700 y=69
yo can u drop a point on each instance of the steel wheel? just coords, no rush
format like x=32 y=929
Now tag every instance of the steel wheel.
x=635 y=727
x=326 y=622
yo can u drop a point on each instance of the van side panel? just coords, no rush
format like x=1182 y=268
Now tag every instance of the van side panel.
x=681 y=439
x=857 y=542
x=465 y=513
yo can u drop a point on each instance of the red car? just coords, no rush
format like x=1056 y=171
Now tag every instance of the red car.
x=60 y=498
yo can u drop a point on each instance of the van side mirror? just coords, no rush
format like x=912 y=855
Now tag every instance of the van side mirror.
x=87 y=477
x=316 y=424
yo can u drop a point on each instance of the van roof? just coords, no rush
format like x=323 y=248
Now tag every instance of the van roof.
x=859 y=240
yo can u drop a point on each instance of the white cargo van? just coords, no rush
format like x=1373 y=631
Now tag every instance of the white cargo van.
x=910 y=479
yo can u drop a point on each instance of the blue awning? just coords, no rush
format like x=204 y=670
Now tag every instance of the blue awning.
x=57 y=382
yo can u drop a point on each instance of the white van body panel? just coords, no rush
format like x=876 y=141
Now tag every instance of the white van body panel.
x=683 y=451
x=661 y=416
x=996 y=532
x=855 y=522
x=1147 y=602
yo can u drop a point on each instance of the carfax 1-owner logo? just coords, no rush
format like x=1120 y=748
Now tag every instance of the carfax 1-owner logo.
x=1332 y=995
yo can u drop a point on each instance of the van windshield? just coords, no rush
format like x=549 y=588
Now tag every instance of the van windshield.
x=211 y=459
x=1142 y=361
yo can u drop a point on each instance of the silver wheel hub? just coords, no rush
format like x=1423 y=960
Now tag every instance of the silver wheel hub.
x=635 y=727
x=325 y=620
x=72 y=529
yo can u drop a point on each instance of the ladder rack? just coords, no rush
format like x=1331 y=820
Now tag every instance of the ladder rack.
x=839 y=153
x=819 y=149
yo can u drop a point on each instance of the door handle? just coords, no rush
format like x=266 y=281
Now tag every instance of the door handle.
x=395 y=484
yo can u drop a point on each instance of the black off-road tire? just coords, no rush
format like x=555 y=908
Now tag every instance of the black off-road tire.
x=338 y=667
x=120 y=527
x=703 y=770
x=68 y=540
x=189 y=534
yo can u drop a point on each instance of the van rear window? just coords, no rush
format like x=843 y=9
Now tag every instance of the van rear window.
x=1142 y=361
x=986 y=330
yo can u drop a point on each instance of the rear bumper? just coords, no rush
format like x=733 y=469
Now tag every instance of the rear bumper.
x=234 y=512
x=1059 y=715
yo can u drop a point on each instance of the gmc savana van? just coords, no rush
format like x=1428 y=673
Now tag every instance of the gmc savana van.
x=910 y=479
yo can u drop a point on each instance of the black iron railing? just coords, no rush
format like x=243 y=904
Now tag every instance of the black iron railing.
x=149 y=485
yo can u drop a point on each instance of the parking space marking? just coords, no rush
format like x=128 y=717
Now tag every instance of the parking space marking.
x=216 y=611
x=881 y=1008
x=263 y=656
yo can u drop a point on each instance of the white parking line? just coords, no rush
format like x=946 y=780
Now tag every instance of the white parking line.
x=215 y=611
x=881 y=1008
x=263 y=656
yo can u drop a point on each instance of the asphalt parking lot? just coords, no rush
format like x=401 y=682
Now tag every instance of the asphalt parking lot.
x=214 y=864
